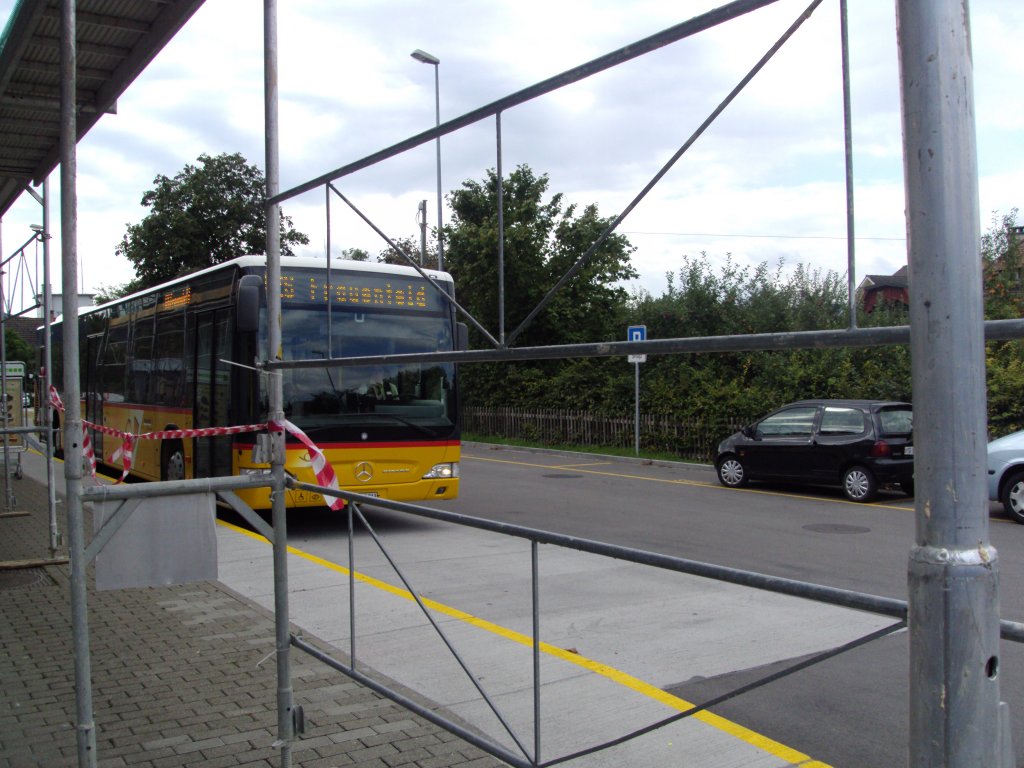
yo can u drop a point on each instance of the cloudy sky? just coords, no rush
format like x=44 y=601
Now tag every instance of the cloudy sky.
x=764 y=184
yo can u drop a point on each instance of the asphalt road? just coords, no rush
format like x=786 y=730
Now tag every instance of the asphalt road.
x=694 y=642
x=849 y=711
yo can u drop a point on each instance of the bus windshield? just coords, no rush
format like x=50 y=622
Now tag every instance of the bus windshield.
x=410 y=399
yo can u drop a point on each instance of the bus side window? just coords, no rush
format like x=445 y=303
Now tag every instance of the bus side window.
x=112 y=372
x=168 y=377
x=140 y=370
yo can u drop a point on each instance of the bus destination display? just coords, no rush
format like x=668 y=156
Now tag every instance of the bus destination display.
x=359 y=291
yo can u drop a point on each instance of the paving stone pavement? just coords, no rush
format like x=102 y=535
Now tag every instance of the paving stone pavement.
x=182 y=676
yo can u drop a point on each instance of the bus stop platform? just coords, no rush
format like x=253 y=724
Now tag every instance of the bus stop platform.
x=181 y=675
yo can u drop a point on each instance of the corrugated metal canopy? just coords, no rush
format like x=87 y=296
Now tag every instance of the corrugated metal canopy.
x=116 y=40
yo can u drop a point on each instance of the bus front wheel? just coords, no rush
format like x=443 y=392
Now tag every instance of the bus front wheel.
x=172 y=461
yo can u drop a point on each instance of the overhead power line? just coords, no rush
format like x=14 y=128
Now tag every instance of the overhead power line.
x=769 y=237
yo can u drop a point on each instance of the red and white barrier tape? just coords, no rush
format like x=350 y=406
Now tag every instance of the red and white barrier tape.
x=322 y=469
x=125 y=453
x=88 y=453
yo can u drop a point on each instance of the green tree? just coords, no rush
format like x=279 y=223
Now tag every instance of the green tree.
x=16 y=348
x=703 y=299
x=409 y=247
x=105 y=293
x=1002 y=259
x=355 y=254
x=543 y=238
x=208 y=213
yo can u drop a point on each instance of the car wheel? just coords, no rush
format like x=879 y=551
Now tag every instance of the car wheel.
x=731 y=472
x=859 y=484
x=1012 y=496
x=172 y=462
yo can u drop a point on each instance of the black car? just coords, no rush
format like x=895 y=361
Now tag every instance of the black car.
x=856 y=444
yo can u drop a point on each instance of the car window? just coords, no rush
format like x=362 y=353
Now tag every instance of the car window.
x=842 y=421
x=896 y=421
x=792 y=422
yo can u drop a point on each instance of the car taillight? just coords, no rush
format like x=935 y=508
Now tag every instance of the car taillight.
x=880 y=450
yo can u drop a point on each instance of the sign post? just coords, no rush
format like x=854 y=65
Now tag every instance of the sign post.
x=636 y=333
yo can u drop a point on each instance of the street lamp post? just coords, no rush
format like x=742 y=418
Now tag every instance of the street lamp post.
x=426 y=58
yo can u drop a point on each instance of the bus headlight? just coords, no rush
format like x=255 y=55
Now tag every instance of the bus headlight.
x=253 y=471
x=443 y=471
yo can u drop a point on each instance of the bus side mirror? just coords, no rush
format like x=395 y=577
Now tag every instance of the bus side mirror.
x=461 y=337
x=247 y=318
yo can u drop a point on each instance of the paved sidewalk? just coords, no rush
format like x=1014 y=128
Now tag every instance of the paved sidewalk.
x=182 y=676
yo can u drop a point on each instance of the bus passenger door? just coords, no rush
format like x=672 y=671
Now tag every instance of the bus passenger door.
x=92 y=390
x=212 y=455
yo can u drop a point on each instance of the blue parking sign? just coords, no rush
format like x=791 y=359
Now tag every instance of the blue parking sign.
x=636 y=333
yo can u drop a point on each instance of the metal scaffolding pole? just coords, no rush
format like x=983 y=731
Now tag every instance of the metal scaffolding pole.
x=86 y=729
x=851 y=241
x=44 y=395
x=286 y=714
x=9 y=500
x=956 y=718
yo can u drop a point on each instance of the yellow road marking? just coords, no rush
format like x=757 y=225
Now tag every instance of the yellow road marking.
x=791 y=756
x=698 y=483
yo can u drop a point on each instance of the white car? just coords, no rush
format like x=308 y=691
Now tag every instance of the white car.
x=1006 y=474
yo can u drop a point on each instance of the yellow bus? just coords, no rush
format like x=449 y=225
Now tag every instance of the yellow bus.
x=181 y=356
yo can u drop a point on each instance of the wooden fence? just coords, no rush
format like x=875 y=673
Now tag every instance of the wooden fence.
x=690 y=440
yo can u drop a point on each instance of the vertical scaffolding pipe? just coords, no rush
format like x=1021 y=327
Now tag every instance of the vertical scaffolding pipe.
x=330 y=290
x=285 y=704
x=351 y=586
x=501 y=233
x=437 y=144
x=636 y=408
x=851 y=247
x=535 y=585
x=48 y=374
x=421 y=218
x=3 y=391
x=953 y=591
x=9 y=501
x=85 y=728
